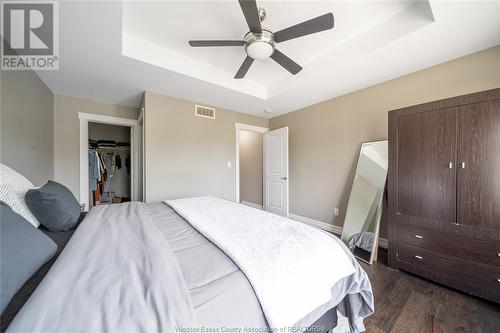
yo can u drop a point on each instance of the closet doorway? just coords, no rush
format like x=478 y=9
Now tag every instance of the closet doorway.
x=249 y=165
x=109 y=163
x=110 y=169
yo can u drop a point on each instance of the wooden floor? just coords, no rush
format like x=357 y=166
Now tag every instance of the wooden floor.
x=407 y=303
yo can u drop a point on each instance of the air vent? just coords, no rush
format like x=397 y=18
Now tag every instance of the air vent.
x=203 y=111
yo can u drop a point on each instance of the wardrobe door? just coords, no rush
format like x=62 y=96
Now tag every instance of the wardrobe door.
x=426 y=177
x=478 y=192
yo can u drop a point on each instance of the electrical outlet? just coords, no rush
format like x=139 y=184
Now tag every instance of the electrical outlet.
x=336 y=212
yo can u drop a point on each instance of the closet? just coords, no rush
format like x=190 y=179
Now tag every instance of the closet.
x=444 y=192
x=109 y=164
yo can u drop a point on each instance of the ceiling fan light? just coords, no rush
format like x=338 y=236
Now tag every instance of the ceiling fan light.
x=260 y=50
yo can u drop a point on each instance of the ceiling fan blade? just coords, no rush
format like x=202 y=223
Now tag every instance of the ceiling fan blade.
x=249 y=8
x=205 y=43
x=244 y=68
x=320 y=23
x=286 y=62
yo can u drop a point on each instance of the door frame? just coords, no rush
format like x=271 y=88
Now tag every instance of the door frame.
x=84 y=120
x=141 y=163
x=243 y=127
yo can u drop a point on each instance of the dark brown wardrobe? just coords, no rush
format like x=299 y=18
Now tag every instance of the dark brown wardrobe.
x=444 y=192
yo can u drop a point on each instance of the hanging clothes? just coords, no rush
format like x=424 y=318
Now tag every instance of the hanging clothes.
x=101 y=159
x=106 y=160
x=94 y=169
x=99 y=179
x=109 y=163
x=118 y=161
x=97 y=196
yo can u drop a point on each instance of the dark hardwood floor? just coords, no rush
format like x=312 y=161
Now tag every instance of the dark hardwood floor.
x=407 y=303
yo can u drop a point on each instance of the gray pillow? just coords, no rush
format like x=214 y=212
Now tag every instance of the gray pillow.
x=23 y=250
x=54 y=206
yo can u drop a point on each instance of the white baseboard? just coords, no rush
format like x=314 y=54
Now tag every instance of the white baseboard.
x=251 y=204
x=318 y=224
x=382 y=242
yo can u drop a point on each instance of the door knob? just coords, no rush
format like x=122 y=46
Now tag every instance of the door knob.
x=284 y=178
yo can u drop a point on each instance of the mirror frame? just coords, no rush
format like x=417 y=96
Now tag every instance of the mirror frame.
x=374 y=252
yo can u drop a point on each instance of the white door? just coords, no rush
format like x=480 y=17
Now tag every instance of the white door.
x=276 y=171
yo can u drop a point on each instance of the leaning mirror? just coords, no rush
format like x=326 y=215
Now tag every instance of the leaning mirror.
x=364 y=210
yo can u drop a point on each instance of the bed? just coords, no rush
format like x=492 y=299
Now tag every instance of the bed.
x=61 y=239
x=135 y=267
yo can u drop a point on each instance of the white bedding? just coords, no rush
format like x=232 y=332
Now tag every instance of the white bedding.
x=12 y=191
x=291 y=266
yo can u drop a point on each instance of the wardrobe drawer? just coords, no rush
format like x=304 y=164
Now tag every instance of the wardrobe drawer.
x=487 y=252
x=466 y=271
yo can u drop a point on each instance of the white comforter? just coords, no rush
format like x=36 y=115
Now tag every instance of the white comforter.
x=291 y=266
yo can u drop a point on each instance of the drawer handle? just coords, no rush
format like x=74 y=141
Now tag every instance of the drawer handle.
x=498 y=254
x=418 y=236
x=498 y=280
x=419 y=257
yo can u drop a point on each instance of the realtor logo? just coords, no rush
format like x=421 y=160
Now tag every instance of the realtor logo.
x=30 y=35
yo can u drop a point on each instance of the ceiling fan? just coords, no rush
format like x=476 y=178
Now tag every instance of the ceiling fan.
x=261 y=43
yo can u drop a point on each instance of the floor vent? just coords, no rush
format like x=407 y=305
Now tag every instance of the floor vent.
x=203 y=111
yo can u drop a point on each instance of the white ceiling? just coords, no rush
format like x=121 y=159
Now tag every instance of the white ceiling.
x=113 y=51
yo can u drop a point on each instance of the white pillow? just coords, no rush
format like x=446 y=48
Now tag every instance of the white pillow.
x=7 y=195
x=17 y=185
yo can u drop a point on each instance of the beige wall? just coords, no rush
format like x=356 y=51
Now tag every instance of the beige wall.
x=27 y=125
x=251 y=146
x=188 y=155
x=325 y=138
x=66 y=135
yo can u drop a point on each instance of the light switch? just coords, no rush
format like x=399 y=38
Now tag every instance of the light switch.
x=336 y=211
x=229 y=164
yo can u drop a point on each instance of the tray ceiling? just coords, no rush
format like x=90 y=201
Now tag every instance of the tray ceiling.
x=113 y=51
